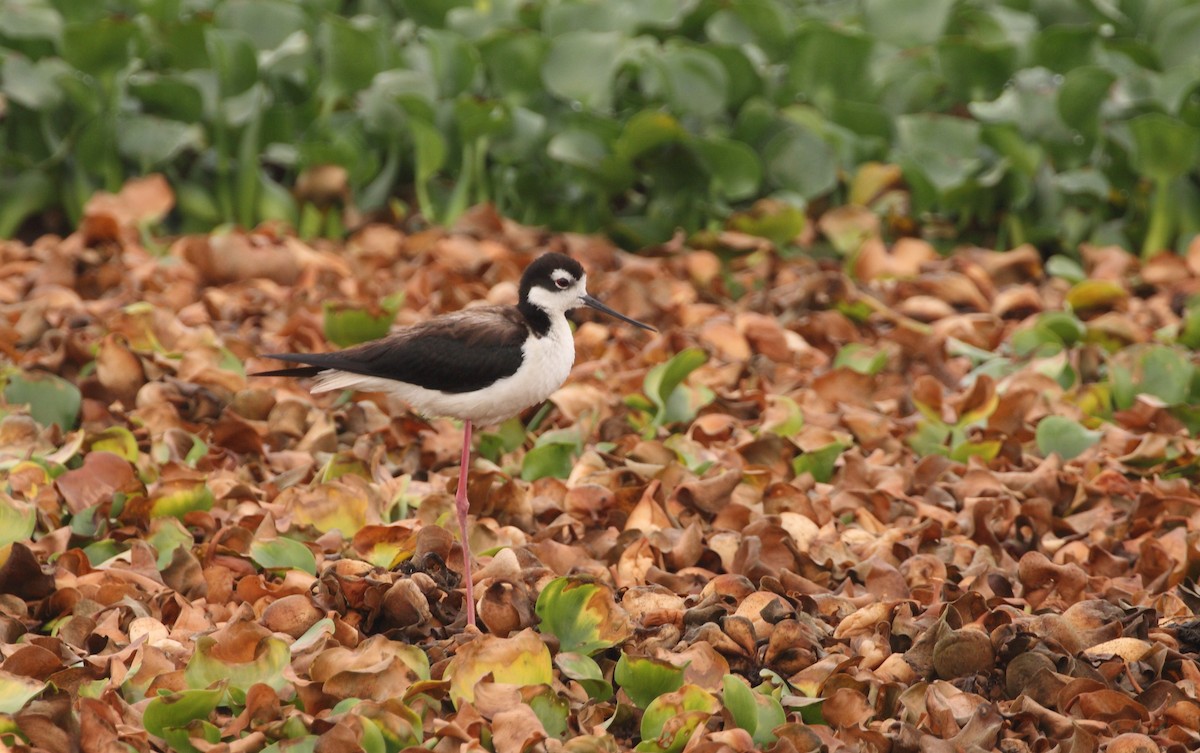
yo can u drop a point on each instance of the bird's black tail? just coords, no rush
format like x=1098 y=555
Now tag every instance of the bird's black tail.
x=298 y=371
x=306 y=370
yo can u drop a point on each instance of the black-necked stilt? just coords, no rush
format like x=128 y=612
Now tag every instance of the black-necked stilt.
x=480 y=365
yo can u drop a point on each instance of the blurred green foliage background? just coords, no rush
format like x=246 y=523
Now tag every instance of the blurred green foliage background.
x=991 y=121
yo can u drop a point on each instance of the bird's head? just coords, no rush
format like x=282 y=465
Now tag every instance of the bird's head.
x=556 y=284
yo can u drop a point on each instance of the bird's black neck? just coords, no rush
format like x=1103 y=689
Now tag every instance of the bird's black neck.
x=538 y=320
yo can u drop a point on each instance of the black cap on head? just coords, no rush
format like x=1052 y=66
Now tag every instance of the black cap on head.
x=538 y=272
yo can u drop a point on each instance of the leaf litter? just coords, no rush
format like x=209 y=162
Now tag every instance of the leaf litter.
x=935 y=504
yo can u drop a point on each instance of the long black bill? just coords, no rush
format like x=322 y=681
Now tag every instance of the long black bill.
x=590 y=301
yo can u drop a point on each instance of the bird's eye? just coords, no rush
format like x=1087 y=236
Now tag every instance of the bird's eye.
x=561 y=283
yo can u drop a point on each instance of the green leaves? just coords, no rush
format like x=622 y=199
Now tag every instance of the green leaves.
x=582 y=615
x=166 y=536
x=233 y=60
x=799 y=160
x=942 y=151
x=283 y=554
x=671 y=718
x=100 y=48
x=267 y=23
x=691 y=80
x=508 y=436
x=907 y=23
x=820 y=462
x=150 y=141
x=1050 y=333
x=1168 y=375
x=520 y=660
x=663 y=381
x=584 y=670
x=643 y=679
x=51 y=399
x=20 y=196
x=207 y=667
x=115 y=439
x=860 y=358
x=353 y=55
x=1065 y=436
x=736 y=170
x=553 y=455
x=756 y=713
x=347 y=325
x=16 y=691
x=952 y=437
x=1165 y=374
x=176 y=710
x=31 y=21
x=777 y=221
x=1163 y=147
x=829 y=62
x=667 y=399
x=580 y=65
x=453 y=61
x=17 y=520
x=32 y=84
x=179 y=498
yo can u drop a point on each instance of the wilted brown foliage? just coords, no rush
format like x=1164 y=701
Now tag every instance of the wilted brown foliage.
x=860 y=514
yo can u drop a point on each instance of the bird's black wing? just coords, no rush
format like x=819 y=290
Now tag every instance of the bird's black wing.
x=458 y=352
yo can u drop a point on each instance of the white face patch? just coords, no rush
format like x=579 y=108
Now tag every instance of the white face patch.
x=560 y=299
x=562 y=279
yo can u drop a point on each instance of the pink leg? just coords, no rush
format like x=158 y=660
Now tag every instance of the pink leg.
x=462 y=506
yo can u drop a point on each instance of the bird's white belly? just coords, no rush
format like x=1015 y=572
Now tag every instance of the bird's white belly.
x=545 y=365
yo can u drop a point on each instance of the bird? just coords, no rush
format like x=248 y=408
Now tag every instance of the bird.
x=480 y=365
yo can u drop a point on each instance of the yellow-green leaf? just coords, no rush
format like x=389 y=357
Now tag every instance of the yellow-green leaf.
x=331 y=506
x=672 y=717
x=582 y=615
x=17 y=520
x=820 y=463
x=166 y=535
x=342 y=464
x=757 y=713
x=177 y=498
x=118 y=440
x=643 y=679
x=16 y=690
x=178 y=709
x=206 y=668
x=584 y=670
x=520 y=660
x=283 y=554
x=1090 y=294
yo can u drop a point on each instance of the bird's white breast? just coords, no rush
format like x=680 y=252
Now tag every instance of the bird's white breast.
x=546 y=362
